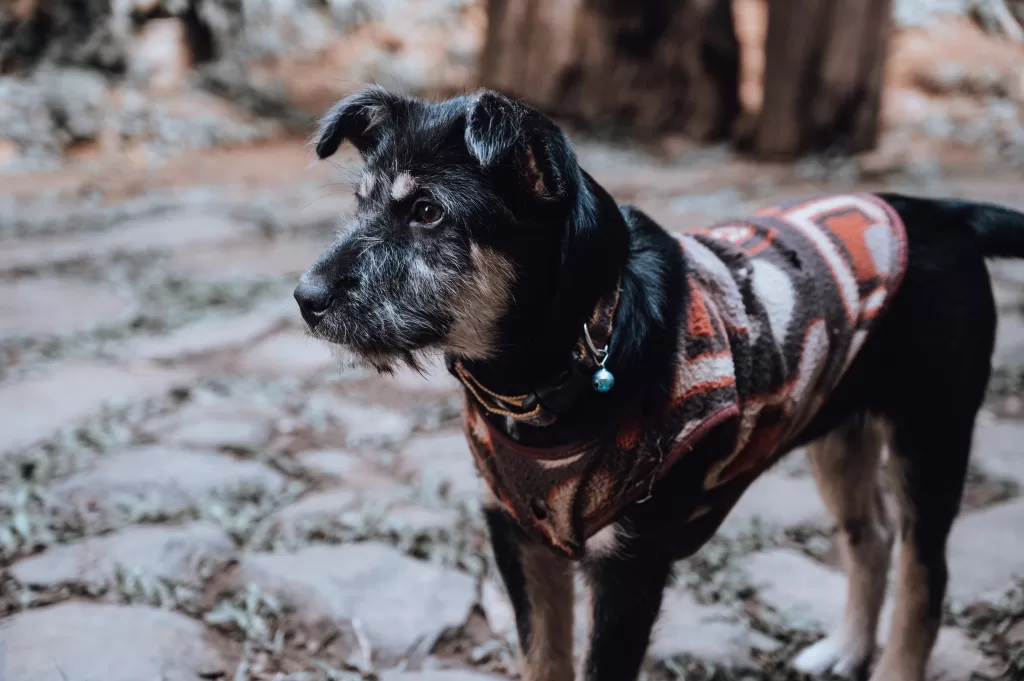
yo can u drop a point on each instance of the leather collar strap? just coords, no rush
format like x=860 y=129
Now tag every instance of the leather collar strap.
x=533 y=408
x=516 y=407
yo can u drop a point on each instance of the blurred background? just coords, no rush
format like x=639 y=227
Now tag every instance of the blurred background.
x=190 y=488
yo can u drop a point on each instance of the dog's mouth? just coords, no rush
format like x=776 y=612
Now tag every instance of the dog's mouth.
x=388 y=361
x=383 y=360
x=361 y=346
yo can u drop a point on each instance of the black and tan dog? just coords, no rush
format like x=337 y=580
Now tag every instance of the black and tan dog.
x=625 y=385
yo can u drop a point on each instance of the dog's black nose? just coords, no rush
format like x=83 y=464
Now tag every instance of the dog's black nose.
x=314 y=298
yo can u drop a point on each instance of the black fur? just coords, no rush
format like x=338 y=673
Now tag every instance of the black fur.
x=508 y=181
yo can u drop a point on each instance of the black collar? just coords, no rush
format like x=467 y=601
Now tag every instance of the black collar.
x=545 y=404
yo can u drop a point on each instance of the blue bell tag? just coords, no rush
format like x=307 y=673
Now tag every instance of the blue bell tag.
x=603 y=380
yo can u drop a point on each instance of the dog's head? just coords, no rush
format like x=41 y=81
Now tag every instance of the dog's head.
x=463 y=206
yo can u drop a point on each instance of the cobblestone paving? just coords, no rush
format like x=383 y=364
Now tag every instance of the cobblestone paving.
x=192 y=489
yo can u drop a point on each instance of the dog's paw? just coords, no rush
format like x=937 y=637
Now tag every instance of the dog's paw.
x=833 y=655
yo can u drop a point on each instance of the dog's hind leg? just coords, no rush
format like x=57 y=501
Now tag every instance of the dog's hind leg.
x=625 y=586
x=846 y=465
x=539 y=583
x=930 y=455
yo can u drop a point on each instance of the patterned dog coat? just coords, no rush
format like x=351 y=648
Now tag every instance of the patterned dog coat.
x=777 y=308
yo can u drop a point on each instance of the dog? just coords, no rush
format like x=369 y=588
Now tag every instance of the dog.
x=580 y=330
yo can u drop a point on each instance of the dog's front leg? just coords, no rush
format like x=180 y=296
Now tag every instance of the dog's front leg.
x=625 y=581
x=539 y=583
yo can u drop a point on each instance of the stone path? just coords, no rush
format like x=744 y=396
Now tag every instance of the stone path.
x=186 y=476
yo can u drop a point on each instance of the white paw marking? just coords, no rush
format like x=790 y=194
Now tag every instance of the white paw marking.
x=831 y=655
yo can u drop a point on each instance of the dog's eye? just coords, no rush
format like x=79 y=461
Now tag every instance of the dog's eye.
x=426 y=213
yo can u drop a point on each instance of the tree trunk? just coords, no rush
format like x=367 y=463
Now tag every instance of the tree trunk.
x=648 y=66
x=824 y=66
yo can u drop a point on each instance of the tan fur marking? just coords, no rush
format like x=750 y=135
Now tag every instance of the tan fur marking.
x=912 y=632
x=549 y=590
x=403 y=186
x=698 y=512
x=482 y=304
x=845 y=464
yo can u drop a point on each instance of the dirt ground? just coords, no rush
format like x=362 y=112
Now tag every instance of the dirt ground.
x=184 y=474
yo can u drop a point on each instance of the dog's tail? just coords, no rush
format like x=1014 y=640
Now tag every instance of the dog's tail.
x=1000 y=230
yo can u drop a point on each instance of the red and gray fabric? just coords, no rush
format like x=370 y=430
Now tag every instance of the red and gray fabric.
x=777 y=307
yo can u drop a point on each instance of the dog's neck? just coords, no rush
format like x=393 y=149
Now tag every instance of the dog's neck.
x=545 y=323
x=644 y=263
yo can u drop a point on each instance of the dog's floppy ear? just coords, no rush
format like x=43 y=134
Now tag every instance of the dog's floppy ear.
x=493 y=127
x=503 y=132
x=359 y=118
